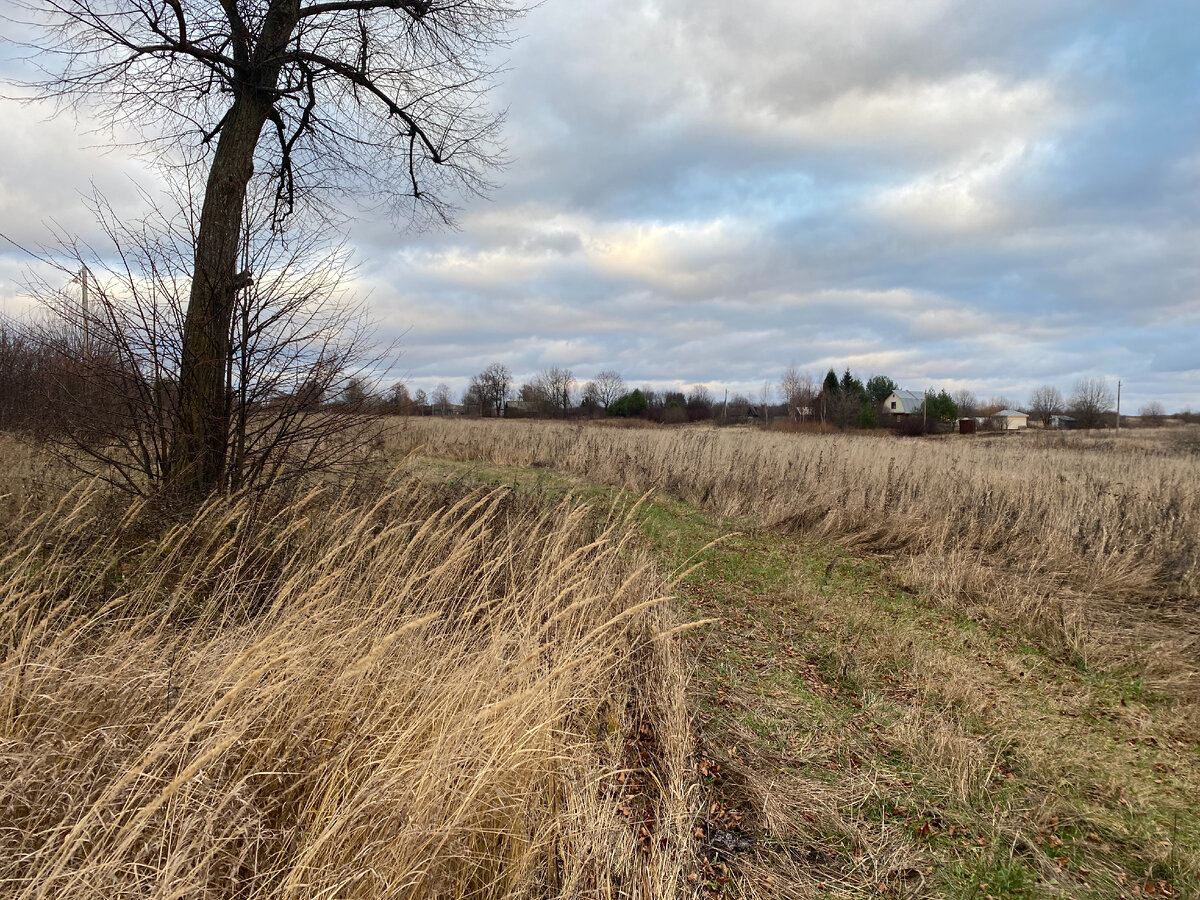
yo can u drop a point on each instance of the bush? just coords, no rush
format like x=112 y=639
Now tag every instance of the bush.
x=915 y=426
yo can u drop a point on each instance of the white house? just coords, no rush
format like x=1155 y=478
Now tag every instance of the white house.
x=902 y=403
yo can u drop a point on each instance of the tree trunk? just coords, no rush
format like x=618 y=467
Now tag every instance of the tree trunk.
x=197 y=461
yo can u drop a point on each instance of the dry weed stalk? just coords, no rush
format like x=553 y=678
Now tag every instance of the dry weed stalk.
x=409 y=695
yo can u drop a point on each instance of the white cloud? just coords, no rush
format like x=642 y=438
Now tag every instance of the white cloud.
x=963 y=199
x=50 y=164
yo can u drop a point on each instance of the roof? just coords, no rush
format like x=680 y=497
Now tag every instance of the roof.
x=910 y=401
x=1010 y=413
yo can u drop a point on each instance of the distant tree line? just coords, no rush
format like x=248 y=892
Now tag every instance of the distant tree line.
x=841 y=402
x=33 y=372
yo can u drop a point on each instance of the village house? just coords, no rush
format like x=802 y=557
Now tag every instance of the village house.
x=901 y=404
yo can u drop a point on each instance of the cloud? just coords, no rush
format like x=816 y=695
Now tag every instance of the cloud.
x=989 y=196
x=52 y=163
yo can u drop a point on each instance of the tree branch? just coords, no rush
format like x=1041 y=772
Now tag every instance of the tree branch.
x=360 y=79
x=415 y=8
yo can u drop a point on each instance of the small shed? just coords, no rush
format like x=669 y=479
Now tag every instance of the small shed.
x=1012 y=419
x=966 y=426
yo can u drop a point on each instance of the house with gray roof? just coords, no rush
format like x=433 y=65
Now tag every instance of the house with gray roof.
x=901 y=404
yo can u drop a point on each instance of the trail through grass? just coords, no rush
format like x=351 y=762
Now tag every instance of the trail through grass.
x=857 y=739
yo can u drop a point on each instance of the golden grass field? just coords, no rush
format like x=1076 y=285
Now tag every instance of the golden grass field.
x=409 y=693
x=804 y=666
x=1087 y=541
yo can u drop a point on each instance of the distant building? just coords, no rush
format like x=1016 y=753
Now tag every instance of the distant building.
x=1062 y=422
x=1011 y=419
x=901 y=404
x=522 y=409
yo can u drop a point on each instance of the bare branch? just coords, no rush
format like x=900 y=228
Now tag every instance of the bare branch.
x=415 y=8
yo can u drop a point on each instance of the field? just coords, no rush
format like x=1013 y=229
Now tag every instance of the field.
x=1084 y=544
x=801 y=666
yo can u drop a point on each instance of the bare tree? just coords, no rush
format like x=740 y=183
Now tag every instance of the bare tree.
x=609 y=385
x=994 y=405
x=737 y=408
x=1090 y=400
x=589 y=398
x=490 y=389
x=441 y=398
x=799 y=390
x=699 y=403
x=1046 y=403
x=1152 y=414
x=967 y=403
x=112 y=398
x=22 y=365
x=535 y=398
x=765 y=397
x=385 y=93
x=555 y=387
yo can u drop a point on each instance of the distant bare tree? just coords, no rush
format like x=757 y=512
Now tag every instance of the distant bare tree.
x=22 y=365
x=1152 y=414
x=967 y=403
x=766 y=396
x=994 y=405
x=557 y=387
x=1046 y=403
x=799 y=390
x=472 y=400
x=1090 y=400
x=441 y=398
x=609 y=385
x=398 y=399
x=737 y=409
x=490 y=389
x=589 y=398
x=385 y=94
x=535 y=398
x=699 y=403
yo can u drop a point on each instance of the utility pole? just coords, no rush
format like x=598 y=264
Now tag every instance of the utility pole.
x=87 y=324
x=1118 y=406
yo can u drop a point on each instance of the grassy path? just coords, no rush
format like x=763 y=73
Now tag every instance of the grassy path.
x=855 y=740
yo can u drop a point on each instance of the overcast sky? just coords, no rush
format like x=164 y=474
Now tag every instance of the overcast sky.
x=957 y=194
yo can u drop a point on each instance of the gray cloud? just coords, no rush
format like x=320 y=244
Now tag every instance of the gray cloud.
x=988 y=196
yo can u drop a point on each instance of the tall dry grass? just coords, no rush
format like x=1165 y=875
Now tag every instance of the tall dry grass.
x=390 y=693
x=1093 y=543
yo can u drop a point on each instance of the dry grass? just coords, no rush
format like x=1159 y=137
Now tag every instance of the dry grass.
x=1087 y=544
x=398 y=692
x=416 y=688
x=873 y=744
